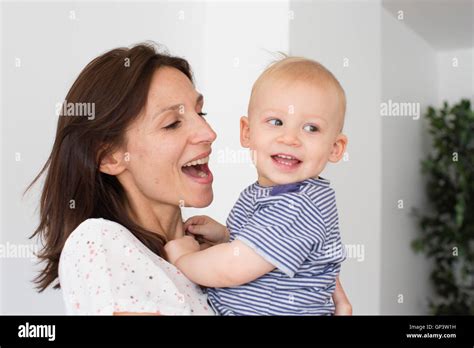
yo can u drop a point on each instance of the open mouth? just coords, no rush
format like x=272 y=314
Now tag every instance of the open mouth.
x=285 y=161
x=198 y=170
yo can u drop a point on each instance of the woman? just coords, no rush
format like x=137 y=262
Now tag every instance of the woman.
x=115 y=184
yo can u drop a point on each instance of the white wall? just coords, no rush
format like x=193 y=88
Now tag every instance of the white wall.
x=456 y=82
x=409 y=74
x=330 y=32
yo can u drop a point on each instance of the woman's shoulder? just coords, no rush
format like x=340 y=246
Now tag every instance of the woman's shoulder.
x=98 y=224
x=97 y=233
x=99 y=229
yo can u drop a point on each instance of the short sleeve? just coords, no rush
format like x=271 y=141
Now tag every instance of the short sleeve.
x=285 y=232
x=84 y=272
x=100 y=272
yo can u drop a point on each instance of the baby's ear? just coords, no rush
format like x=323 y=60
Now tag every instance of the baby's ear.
x=244 y=132
x=338 y=148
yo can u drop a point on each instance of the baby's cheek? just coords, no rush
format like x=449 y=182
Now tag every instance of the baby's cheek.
x=316 y=164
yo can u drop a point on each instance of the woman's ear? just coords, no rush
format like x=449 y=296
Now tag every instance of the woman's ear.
x=244 y=132
x=338 y=148
x=113 y=163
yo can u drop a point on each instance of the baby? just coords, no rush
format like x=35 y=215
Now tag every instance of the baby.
x=281 y=251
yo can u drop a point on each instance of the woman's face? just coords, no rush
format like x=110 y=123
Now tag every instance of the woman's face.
x=169 y=144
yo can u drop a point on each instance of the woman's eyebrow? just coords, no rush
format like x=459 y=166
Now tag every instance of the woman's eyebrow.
x=174 y=107
x=168 y=108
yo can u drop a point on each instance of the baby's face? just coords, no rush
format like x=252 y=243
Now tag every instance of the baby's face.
x=294 y=130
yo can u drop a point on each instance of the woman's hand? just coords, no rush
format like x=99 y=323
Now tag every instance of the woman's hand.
x=206 y=229
x=179 y=247
x=343 y=306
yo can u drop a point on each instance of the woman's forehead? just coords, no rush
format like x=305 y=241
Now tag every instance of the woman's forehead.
x=167 y=79
x=169 y=87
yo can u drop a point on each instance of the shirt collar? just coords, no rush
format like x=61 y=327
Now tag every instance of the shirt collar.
x=265 y=191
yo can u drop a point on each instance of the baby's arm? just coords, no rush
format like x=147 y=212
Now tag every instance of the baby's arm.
x=343 y=306
x=222 y=265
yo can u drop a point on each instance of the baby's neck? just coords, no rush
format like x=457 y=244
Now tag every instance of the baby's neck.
x=265 y=182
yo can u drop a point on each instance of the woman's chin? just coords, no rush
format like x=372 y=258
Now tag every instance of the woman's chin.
x=200 y=201
x=198 y=191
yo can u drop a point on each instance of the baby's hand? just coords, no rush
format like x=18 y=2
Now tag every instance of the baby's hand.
x=179 y=247
x=207 y=229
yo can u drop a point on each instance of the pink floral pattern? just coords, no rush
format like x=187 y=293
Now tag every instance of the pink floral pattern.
x=104 y=269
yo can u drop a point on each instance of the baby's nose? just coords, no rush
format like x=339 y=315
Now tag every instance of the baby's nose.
x=289 y=139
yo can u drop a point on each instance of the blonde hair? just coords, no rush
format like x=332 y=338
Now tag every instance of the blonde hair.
x=303 y=69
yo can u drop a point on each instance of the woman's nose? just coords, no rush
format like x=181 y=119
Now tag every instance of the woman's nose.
x=202 y=132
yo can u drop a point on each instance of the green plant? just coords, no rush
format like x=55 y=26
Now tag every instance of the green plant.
x=447 y=225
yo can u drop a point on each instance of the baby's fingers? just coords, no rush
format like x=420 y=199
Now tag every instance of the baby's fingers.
x=195 y=220
x=195 y=229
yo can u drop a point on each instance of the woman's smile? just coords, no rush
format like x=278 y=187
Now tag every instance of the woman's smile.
x=198 y=170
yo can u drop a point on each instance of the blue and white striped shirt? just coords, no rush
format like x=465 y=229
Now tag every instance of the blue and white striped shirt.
x=295 y=228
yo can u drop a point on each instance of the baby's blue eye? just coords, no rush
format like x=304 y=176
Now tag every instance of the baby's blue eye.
x=275 y=122
x=310 y=128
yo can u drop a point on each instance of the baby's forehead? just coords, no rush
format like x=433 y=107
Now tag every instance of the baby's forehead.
x=290 y=84
x=275 y=92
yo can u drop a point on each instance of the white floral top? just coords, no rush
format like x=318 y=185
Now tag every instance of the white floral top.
x=104 y=268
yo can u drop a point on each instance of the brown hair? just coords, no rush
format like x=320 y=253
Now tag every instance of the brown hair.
x=117 y=84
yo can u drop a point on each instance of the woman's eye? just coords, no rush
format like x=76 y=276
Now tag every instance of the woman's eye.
x=173 y=125
x=310 y=128
x=275 y=122
x=202 y=114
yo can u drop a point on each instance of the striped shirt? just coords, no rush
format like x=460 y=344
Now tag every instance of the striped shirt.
x=295 y=228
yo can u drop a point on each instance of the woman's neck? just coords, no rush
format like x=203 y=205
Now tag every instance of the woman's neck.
x=163 y=219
